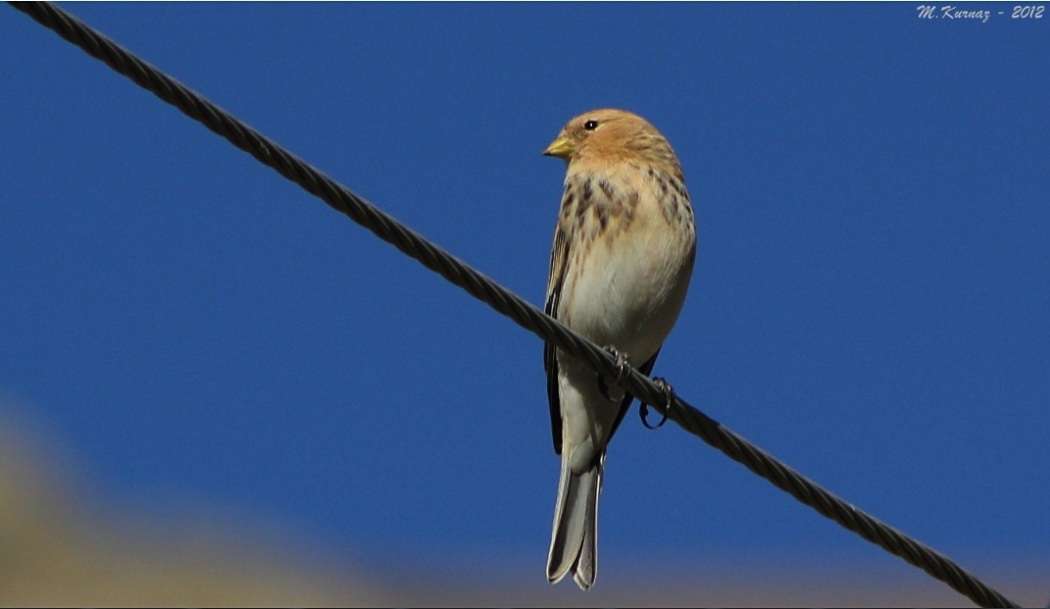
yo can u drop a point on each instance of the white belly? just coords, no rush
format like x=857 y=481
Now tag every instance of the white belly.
x=630 y=292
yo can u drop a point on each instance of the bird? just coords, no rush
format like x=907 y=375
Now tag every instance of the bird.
x=623 y=255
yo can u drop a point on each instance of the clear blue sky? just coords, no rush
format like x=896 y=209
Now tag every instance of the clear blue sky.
x=870 y=302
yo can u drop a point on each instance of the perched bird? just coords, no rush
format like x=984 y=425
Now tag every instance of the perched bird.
x=623 y=255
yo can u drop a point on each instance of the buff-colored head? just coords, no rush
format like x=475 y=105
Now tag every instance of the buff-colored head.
x=610 y=135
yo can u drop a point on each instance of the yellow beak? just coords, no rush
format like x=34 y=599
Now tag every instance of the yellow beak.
x=561 y=147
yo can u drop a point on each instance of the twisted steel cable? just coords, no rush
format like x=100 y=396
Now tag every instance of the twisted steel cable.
x=509 y=304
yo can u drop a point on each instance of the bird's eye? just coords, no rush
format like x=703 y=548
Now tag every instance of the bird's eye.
x=590 y=125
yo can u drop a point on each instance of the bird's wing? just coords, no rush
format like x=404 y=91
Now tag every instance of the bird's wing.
x=559 y=262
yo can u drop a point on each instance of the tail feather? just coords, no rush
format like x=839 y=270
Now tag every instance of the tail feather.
x=574 y=539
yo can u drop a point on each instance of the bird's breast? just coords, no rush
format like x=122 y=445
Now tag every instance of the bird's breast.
x=631 y=258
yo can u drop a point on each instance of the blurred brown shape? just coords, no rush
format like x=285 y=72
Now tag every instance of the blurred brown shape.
x=60 y=547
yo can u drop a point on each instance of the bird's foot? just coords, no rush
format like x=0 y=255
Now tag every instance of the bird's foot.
x=623 y=368
x=668 y=393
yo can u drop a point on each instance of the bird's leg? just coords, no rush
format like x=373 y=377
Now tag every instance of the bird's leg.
x=623 y=368
x=668 y=393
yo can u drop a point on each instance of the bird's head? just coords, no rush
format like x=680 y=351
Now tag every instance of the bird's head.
x=610 y=135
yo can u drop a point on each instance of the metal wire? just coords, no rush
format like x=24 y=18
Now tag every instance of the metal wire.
x=508 y=303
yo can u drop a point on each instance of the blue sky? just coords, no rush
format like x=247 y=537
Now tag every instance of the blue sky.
x=869 y=303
